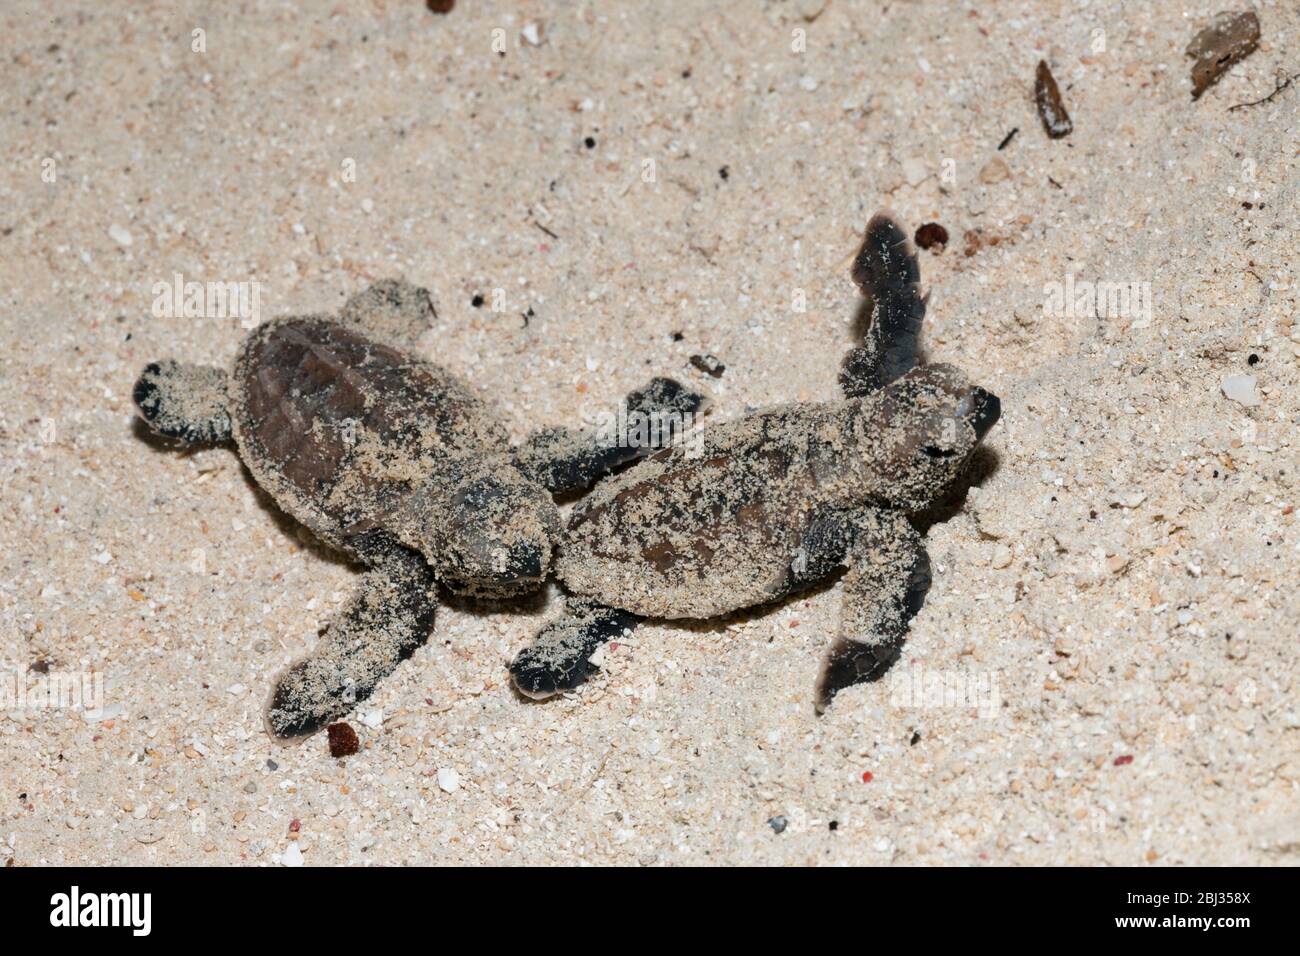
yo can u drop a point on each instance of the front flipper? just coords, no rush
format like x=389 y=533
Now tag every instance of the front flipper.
x=559 y=658
x=388 y=617
x=185 y=402
x=885 y=586
x=568 y=459
x=888 y=274
x=391 y=310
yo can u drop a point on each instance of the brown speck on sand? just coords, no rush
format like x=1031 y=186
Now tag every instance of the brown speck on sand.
x=343 y=740
x=1047 y=97
x=708 y=364
x=932 y=236
x=1229 y=39
x=440 y=6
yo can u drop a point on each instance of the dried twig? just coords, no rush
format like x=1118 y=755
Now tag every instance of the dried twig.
x=1281 y=84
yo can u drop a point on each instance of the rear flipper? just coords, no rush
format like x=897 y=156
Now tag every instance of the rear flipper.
x=568 y=459
x=185 y=402
x=885 y=586
x=559 y=658
x=887 y=273
x=388 y=617
x=392 y=311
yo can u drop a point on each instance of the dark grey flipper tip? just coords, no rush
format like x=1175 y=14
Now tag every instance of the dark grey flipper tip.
x=880 y=599
x=887 y=272
x=564 y=460
x=388 y=616
x=559 y=659
x=286 y=718
x=185 y=402
x=886 y=264
x=850 y=663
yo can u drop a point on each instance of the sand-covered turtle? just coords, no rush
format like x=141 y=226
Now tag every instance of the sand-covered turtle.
x=781 y=499
x=394 y=461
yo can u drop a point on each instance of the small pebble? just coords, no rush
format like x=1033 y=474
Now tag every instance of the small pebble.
x=777 y=824
x=995 y=171
x=1131 y=499
x=120 y=235
x=292 y=856
x=448 y=779
x=810 y=10
x=1241 y=389
x=708 y=364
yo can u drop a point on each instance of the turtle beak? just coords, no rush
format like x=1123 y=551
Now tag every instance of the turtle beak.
x=985 y=413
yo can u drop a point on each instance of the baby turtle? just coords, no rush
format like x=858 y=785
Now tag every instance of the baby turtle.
x=780 y=500
x=393 y=461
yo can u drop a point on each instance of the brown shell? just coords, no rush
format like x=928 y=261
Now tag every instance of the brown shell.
x=341 y=429
x=695 y=535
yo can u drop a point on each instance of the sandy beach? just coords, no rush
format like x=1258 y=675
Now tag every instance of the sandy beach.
x=1104 y=671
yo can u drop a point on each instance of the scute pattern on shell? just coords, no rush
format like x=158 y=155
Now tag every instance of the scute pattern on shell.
x=342 y=428
x=685 y=536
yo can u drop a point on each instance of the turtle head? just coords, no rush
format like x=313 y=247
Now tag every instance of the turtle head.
x=922 y=430
x=497 y=534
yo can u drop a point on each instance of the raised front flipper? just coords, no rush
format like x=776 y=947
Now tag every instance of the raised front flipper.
x=185 y=402
x=559 y=658
x=885 y=586
x=886 y=271
x=388 y=617
x=569 y=459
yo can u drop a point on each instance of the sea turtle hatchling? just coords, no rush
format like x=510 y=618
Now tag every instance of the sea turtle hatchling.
x=397 y=463
x=781 y=499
